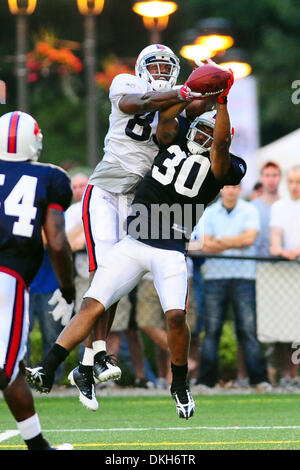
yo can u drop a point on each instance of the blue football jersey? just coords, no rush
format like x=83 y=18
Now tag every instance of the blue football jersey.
x=27 y=189
x=172 y=196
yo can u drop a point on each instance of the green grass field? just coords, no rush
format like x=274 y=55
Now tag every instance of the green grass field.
x=137 y=423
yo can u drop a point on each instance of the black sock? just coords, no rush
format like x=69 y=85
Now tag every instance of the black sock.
x=37 y=443
x=179 y=374
x=55 y=357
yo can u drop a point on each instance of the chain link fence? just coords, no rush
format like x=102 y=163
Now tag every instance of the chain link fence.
x=277 y=286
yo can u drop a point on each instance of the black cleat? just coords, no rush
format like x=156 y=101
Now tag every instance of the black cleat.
x=86 y=387
x=39 y=379
x=105 y=368
x=185 y=405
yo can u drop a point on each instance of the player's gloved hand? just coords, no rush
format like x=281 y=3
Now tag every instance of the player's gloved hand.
x=222 y=98
x=63 y=302
x=186 y=94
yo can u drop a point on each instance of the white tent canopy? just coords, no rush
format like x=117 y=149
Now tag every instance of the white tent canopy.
x=284 y=151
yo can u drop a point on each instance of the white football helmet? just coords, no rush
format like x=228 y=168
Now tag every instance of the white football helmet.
x=158 y=54
x=20 y=137
x=206 y=119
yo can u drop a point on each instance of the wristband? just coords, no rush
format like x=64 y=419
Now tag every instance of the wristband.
x=223 y=100
x=68 y=294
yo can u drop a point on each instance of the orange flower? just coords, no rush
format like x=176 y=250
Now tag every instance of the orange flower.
x=111 y=69
x=46 y=55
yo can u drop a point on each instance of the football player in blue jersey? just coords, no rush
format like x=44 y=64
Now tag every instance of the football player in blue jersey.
x=33 y=196
x=186 y=175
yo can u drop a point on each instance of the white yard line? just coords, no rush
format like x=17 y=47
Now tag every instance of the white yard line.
x=193 y=428
x=11 y=433
x=8 y=434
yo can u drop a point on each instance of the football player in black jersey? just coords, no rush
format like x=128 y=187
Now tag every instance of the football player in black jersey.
x=33 y=196
x=188 y=174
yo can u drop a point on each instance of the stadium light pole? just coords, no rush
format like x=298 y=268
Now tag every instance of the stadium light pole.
x=22 y=9
x=155 y=16
x=89 y=9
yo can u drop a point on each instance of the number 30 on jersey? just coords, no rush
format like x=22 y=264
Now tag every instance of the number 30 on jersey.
x=179 y=180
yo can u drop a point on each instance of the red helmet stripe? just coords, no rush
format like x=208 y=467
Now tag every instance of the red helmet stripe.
x=12 y=133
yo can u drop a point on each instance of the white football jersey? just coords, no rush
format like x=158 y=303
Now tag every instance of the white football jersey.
x=129 y=142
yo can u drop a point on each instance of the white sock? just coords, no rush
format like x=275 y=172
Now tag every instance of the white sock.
x=88 y=357
x=30 y=427
x=99 y=346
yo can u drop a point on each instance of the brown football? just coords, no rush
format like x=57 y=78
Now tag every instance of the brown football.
x=208 y=79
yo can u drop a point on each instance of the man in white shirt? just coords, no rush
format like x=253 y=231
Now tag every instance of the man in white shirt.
x=285 y=242
x=285 y=220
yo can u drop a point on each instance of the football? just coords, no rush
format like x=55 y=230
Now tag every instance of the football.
x=208 y=79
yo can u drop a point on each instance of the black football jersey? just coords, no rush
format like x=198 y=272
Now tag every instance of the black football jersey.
x=26 y=191
x=173 y=195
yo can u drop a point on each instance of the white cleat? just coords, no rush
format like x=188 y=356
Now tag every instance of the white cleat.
x=105 y=369
x=86 y=387
x=185 y=405
x=64 y=446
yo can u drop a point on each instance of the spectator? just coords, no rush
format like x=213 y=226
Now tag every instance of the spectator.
x=256 y=191
x=270 y=177
x=285 y=242
x=230 y=227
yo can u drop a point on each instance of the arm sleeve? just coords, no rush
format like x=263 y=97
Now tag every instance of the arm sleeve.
x=60 y=191
x=236 y=172
x=125 y=84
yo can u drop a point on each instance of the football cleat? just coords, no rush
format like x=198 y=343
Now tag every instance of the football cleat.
x=64 y=446
x=39 y=379
x=86 y=387
x=105 y=368
x=185 y=405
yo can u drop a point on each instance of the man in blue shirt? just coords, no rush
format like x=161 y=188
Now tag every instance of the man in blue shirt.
x=231 y=226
